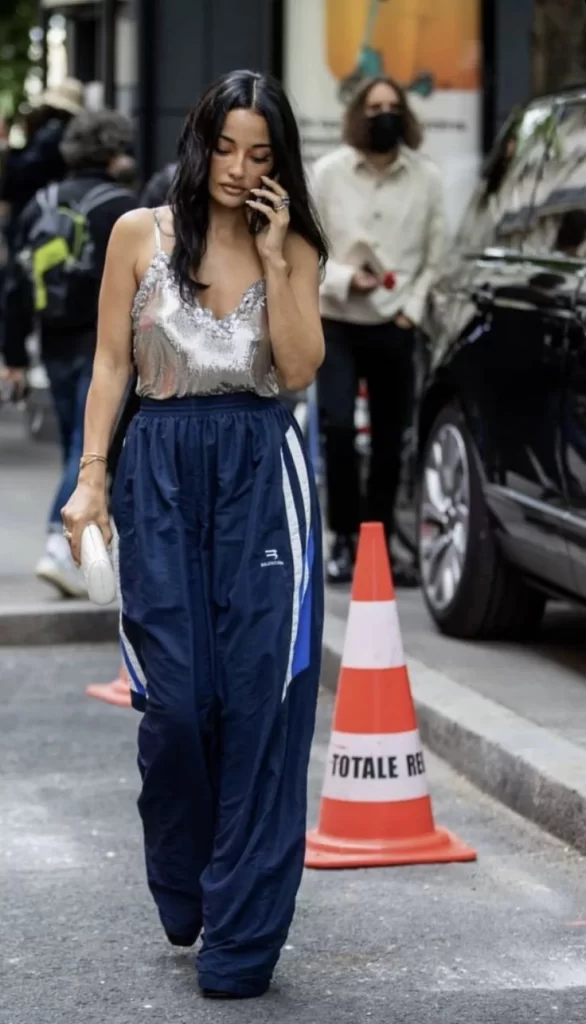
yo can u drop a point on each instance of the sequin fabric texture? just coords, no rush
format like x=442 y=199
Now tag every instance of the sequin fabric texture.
x=181 y=348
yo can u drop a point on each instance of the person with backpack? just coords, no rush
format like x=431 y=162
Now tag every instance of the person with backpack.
x=61 y=241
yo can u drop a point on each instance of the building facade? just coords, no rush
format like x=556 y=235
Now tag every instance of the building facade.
x=465 y=63
x=154 y=57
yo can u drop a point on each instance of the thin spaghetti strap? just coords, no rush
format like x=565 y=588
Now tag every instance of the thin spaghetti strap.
x=158 y=246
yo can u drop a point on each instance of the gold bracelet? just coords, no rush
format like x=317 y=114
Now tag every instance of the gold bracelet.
x=89 y=457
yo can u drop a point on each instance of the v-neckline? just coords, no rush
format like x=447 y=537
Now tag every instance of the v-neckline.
x=237 y=309
x=165 y=257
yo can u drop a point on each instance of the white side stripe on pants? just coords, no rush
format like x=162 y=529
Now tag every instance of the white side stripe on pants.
x=300 y=566
x=301 y=469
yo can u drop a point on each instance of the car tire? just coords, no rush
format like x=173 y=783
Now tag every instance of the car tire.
x=470 y=590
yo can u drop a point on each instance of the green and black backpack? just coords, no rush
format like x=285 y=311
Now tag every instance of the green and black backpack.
x=59 y=256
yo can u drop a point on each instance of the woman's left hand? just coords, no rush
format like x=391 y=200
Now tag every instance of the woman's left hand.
x=270 y=239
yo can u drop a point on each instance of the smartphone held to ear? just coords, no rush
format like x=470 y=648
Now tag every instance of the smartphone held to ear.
x=257 y=220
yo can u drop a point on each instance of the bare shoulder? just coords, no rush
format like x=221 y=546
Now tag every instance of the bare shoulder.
x=138 y=226
x=131 y=240
x=134 y=225
x=299 y=253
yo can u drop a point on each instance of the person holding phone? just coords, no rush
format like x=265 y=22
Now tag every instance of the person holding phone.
x=218 y=524
x=381 y=204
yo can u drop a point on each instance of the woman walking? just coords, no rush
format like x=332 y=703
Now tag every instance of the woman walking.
x=218 y=523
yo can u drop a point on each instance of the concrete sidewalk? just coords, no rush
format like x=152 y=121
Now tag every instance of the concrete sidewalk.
x=29 y=471
x=31 y=612
x=500 y=714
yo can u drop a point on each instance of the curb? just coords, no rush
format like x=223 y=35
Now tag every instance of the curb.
x=530 y=769
x=35 y=625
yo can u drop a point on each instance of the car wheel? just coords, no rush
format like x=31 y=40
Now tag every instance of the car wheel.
x=471 y=591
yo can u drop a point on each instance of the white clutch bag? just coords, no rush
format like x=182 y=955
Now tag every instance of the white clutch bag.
x=96 y=566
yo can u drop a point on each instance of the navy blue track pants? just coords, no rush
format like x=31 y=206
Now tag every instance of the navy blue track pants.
x=221 y=625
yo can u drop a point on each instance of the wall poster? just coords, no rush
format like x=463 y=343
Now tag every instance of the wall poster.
x=433 y=47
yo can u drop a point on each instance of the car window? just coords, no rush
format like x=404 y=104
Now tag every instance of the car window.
x=501 y=205
x=557 y=224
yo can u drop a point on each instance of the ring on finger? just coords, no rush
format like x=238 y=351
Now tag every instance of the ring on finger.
x=67 y=533
x=284 y=204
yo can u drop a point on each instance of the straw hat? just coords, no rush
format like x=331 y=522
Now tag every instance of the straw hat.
x=68 y=96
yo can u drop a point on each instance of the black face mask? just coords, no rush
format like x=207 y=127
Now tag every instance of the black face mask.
x=385 y=131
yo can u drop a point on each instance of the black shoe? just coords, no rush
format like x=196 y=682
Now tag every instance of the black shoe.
x=184 y=941
x=210 y=993
x=340 y=564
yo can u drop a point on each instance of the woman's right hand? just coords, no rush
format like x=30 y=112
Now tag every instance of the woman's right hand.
x=88 y=504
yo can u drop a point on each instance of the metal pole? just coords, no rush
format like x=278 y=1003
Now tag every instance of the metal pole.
x=147 y=51
x=109 y=51
x=488 y=25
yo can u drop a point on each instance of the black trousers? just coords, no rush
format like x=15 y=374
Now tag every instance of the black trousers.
x=382 y=355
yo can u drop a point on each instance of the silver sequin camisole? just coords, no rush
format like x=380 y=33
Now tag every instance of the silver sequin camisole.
x=182 y=349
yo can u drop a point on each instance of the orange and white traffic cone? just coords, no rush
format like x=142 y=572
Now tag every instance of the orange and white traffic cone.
x=117 y=692
x=376 y=809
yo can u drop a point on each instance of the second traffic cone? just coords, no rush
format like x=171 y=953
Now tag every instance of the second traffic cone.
x=117 y=692
x=376 y=809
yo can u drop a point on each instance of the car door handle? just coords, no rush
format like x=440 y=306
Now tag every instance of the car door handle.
x=527 y=296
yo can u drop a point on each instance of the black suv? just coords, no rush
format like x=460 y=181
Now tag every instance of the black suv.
x=494 y=477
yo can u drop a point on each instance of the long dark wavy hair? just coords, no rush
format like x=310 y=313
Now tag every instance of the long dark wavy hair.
x=190 y=198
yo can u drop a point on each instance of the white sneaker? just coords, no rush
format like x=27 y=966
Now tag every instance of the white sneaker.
x=58 y=568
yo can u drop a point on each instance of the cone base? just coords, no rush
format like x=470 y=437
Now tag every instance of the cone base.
x=117 y=693
x=438 y=847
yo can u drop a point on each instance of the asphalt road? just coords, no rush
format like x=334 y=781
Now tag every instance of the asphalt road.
x=496 y=942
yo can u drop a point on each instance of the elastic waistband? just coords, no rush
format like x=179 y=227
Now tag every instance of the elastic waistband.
x=195 y=405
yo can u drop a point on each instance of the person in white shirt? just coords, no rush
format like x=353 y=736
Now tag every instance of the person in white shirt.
x=381 y=204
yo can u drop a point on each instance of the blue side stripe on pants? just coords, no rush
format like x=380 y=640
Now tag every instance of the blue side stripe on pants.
x=302 y=653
